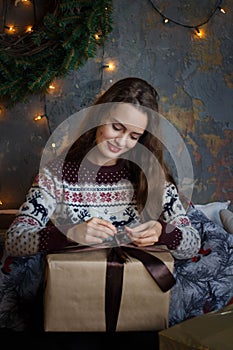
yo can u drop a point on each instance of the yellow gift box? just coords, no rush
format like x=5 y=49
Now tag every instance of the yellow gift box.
x=75 y=293
x=212 y=331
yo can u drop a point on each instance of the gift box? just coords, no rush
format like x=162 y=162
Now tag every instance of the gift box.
x=75 y=292
x=212 y=331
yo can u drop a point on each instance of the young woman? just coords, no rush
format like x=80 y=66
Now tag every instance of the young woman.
x=113 y=178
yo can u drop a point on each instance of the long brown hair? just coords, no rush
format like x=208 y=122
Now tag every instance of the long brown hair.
x=142 y=95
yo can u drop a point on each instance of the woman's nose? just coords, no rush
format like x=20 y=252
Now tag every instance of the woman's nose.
x=122 y=141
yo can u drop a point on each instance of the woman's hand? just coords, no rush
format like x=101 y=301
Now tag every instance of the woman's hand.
x=93 y=231
x=145 y=234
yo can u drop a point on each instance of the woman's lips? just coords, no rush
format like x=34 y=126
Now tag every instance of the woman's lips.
x=113 y=148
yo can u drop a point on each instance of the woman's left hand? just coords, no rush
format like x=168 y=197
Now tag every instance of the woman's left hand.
x=145 y=234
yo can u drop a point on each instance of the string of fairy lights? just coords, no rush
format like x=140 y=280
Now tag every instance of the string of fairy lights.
x=197 y=28
x=12 y=29
x=110 y=65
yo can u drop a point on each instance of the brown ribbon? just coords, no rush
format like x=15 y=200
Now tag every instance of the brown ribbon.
x=114 y=278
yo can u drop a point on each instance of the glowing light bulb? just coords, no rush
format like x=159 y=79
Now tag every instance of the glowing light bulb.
x=29 y=29
x=109 y=66
x=165 y=20
x=38 y=117
x=199 y=33
x=10 y=29
x=97 y=36
x=1 y=203
x=221 y=10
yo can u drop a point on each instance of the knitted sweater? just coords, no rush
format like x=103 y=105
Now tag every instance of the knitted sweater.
x=64 y=195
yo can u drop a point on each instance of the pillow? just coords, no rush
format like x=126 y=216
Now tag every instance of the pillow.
x=227 y=219
x=212 y=210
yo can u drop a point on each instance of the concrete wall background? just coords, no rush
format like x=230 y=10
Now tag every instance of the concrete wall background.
x=193 y=76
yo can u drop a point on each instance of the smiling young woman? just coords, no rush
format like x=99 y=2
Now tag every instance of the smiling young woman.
x=113 y=177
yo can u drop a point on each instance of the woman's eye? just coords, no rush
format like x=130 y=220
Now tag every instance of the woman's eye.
x=117 y=126
x=135 y=138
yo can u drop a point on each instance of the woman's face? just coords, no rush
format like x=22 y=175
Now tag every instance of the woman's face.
x=120 y=133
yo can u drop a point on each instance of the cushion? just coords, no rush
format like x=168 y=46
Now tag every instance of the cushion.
x=227 y=219
x=212 y=210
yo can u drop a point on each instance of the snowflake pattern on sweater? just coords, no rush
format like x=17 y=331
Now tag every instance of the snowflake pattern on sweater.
x=62 y=196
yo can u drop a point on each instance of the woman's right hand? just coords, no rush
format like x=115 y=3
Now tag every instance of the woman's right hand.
x=93 y=231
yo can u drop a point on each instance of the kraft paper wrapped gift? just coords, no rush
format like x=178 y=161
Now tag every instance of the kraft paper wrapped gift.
x=212 y=331
x=74 y=295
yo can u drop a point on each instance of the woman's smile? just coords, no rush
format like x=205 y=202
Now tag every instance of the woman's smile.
x=113 y=148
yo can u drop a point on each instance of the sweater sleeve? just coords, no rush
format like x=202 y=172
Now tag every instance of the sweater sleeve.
x=32 y=231
x=171 y=236
x=177 y=232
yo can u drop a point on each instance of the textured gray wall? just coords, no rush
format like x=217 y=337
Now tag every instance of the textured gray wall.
x=194 y=78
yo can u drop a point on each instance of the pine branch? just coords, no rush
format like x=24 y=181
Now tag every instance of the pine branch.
x=64 y=41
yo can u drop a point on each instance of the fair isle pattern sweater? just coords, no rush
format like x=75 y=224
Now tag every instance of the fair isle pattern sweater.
x=69 y=194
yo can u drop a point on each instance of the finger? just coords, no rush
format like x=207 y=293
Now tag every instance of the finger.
x=137 y=229
x=145 y=241
x=103 y=231
x=93 y=240
x=103 y=225
x=142 y=234
x=99 y=231
x=95 y=236
x=102 y=234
